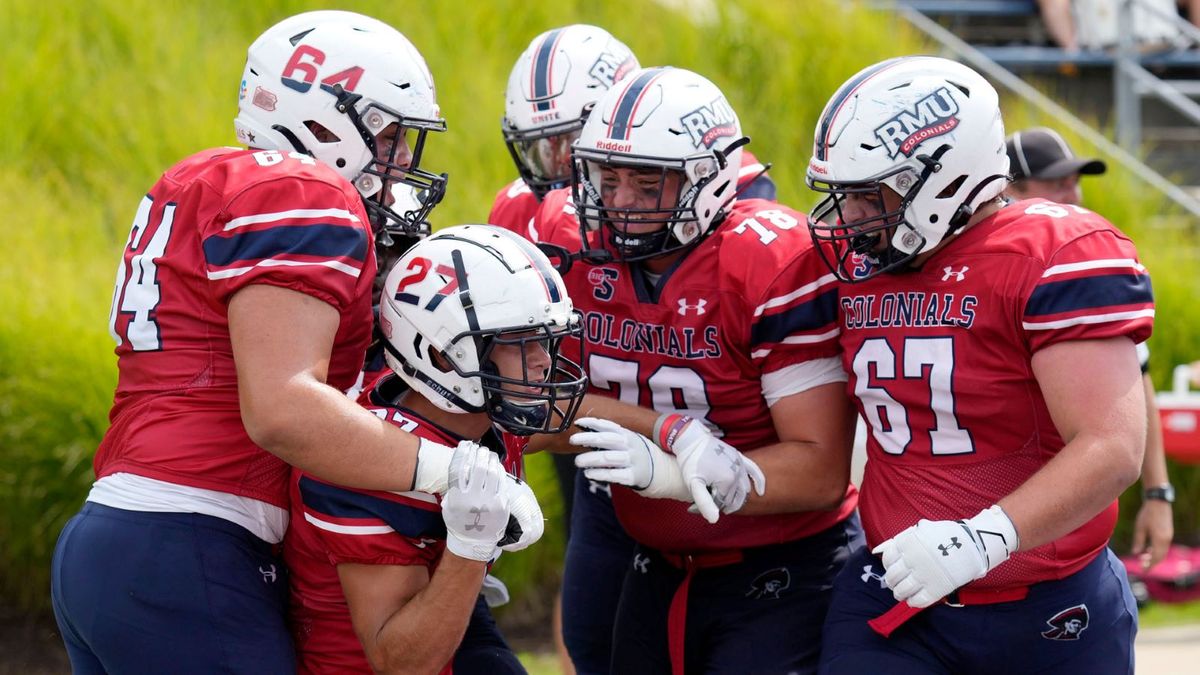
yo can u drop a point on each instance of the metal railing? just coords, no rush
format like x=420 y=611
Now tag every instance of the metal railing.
x=1132 y=82
x=1129 y=78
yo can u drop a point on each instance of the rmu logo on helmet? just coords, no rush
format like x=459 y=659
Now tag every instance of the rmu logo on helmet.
x=611 y=67
x=709 y=122
x=934 y=115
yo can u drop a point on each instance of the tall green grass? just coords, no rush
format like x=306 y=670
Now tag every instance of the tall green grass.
x=102 y=96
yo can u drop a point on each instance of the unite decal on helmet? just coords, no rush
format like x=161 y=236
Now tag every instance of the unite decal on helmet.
x=669 y=121
x=354 y=93
x=459 y=298
x=927 y=128
x=551 y=89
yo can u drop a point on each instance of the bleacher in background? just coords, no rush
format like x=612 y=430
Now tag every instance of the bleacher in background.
x=1161 y=82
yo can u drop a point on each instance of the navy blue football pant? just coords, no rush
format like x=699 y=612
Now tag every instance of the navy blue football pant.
x=483 y=650
x=762 y=614
x=1084 y=623
x=141 y=592
x=598 y=554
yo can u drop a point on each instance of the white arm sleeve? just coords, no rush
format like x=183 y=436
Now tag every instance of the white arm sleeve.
x=801 y=377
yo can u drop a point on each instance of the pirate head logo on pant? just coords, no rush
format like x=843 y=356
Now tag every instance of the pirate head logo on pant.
x=770 y=584
x=1068 y=624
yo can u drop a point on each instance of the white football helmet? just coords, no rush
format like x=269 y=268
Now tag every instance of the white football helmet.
x=925 y=127
x=328 y=84
x=667 y=120
x=550 y=91
x=456 y=296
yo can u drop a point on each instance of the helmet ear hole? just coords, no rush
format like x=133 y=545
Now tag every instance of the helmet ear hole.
x=953 y=188
x=322 y=133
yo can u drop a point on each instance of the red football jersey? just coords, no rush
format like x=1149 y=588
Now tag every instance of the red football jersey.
x=215 y=223
x=513 y=208
x=939 y=363
x=332 y=525
x=749 y=300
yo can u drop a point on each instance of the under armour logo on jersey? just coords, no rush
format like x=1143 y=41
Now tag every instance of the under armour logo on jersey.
x=697 y=307
x=596 y=487
x=269 y=574
x=1068 y=624
x=641 y=563
x=948 y=272
x=945 y=548
x=478 y=511
x=869 y=574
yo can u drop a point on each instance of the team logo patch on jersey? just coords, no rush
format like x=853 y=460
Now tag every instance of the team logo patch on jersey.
x=602 y=280
x=1068 y=624
x=932 y=116
x=710 y=122
x=770 y=584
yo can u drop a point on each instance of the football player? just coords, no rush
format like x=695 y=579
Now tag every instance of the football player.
x=710 y=329
x=1043 y=167
x=473 y=317
x=241 y=312
x=991 y=352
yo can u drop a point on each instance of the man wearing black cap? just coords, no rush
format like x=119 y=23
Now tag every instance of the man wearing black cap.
x=1043 y=166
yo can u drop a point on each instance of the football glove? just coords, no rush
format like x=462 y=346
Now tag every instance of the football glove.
x=927 y=561
x=627 y=458
x=475 y=507
x=437 y=465
x=718 y=476
x=525 y=521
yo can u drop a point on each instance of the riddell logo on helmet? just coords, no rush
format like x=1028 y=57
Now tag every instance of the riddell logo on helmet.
x=932 y=116
x=604 y=144
x=709 y=122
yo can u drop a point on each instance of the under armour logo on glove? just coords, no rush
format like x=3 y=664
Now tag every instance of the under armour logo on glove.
x=945 y=548
x=479 y=513
x=641 y=563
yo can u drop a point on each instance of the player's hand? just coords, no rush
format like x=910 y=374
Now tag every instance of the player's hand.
x=1152 y=532
x=934 y=557
x=437 y=464
x=525 y=521
x=718 y=476
x=621 y=456
x=475 y=508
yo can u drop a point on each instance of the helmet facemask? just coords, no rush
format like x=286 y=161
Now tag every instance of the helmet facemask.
x=543 y=156
x=398 y=194
x=531 y=404
x=679 y=182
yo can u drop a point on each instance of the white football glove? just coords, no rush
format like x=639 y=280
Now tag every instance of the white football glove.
x=437 y=465
x=718 y=476
x=927 y=561
x=526 y=523
x=475 y=508
x=628 y=458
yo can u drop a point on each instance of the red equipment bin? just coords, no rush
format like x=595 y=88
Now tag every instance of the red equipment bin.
x=1179 y=411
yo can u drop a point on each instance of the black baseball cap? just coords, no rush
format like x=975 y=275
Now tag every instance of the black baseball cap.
x=1043 y=154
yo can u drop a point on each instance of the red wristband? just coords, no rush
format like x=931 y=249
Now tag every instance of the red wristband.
x=669 y=431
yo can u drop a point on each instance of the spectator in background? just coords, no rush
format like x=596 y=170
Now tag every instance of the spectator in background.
x=1043 y=166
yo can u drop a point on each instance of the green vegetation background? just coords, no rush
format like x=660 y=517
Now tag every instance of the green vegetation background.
x=100 y=97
